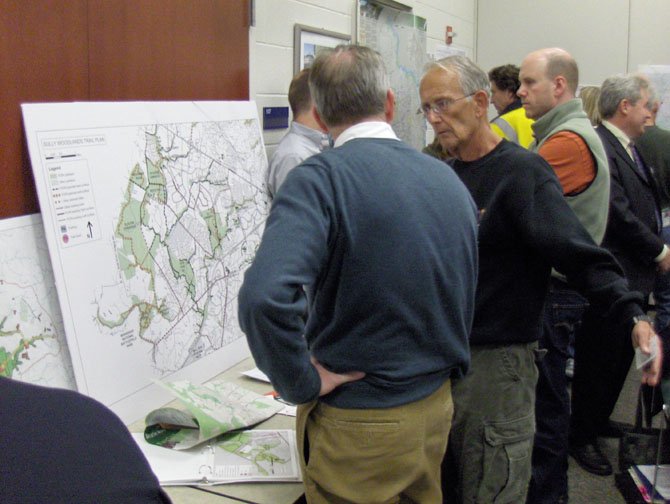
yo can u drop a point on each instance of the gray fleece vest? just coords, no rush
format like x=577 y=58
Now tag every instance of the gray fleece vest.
x=592 y=204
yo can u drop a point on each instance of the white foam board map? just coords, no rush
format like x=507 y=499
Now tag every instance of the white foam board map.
x=152 y=213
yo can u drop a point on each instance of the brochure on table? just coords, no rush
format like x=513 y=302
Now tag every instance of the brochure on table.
x=247 y=456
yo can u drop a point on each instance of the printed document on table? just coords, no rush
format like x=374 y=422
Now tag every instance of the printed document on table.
x=247 y=456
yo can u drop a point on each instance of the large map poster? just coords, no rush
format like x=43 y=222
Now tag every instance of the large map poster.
x=152 y=212
x=659 y=75
x=32 y=338
x=400 y=37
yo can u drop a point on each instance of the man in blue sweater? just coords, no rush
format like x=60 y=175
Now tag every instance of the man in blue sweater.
x=526 y=227
x=384 y=238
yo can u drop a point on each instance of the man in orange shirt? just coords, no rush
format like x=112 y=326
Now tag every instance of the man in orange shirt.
x=565 y=138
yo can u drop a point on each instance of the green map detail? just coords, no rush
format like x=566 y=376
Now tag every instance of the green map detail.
x=156 y=189
x=146 y=310
x=182 y=269
x=135 y=254
x=129 y=229
x=217 y=231
x=186 y=222
x=11 y=360
x=263 y=452
x=137 y=177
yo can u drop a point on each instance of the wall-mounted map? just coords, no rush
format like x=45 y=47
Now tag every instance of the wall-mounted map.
x=152 y=213
x=400 y=37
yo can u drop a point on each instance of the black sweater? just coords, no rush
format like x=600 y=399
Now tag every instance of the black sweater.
x=526 y=228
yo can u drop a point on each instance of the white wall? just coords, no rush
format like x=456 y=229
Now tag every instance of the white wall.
x=459 y=14
x=271 y=39
x=649 y=33
x=606 y=37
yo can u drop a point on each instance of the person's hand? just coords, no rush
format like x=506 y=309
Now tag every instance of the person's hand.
x=330 y=381
x=651 y=373
x=664 y=265
x=641 y=336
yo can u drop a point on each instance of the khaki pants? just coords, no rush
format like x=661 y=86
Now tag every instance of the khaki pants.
x=367 y=456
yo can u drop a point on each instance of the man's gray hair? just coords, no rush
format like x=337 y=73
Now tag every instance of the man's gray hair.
x=654 y=100
x=348 y=83
x=617 y=88
x=470 y=76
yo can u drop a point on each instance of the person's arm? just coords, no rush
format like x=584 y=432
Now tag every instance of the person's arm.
x=630 y=233
x=272 y=304
x=553 y=228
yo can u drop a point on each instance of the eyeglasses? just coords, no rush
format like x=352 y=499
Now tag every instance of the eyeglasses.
x=440 y=106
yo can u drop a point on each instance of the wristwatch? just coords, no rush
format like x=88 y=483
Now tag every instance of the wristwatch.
x=643 y=318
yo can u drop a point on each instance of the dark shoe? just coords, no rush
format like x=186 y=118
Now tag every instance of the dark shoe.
x=591 y=459
x=613 y=429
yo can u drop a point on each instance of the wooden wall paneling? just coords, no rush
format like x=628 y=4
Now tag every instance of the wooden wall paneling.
x=169 y=49
x=43 y=58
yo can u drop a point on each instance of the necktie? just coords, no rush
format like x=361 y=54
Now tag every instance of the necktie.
x=643 y=170
x=639 y=164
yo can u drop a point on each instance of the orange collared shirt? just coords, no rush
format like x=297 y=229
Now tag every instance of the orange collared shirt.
x=571 y=159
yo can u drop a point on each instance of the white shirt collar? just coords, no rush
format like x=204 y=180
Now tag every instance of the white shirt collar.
x=368 y=129
x=621 y=136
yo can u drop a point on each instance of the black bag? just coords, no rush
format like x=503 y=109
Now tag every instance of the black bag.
x=639 y=446
x=628 y=488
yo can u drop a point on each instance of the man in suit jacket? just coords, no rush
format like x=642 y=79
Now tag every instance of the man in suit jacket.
x=654 y=146
x=603 y=353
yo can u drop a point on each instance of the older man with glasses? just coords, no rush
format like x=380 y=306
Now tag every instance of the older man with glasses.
x=525 y=228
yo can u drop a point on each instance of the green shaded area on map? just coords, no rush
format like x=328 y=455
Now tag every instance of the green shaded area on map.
x=215 y=408
x=140 y=242
x=11 y=359
x=259 y=454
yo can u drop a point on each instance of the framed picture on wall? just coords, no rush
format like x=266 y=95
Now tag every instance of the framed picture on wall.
x=308 y=41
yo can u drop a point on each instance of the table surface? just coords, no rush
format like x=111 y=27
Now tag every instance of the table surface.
x=254 y=493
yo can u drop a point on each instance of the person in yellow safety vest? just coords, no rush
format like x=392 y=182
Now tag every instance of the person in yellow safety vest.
x=511 y=122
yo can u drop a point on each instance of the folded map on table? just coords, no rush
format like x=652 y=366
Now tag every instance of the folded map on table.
x=214 y=408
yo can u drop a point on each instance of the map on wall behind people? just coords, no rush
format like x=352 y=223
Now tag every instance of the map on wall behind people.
x=659 y=75
x=400 y=37
x=32 y=339
x=152 y=213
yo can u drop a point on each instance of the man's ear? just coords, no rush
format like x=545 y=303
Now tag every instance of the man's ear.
x=318 y=120
x=481 y=101
x=624 y=106
x=560 y=86
x=389 y=106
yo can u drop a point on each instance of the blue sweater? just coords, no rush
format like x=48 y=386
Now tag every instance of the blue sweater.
x=384 y=238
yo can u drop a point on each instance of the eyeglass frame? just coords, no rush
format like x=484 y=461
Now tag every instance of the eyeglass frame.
x=440 y=110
